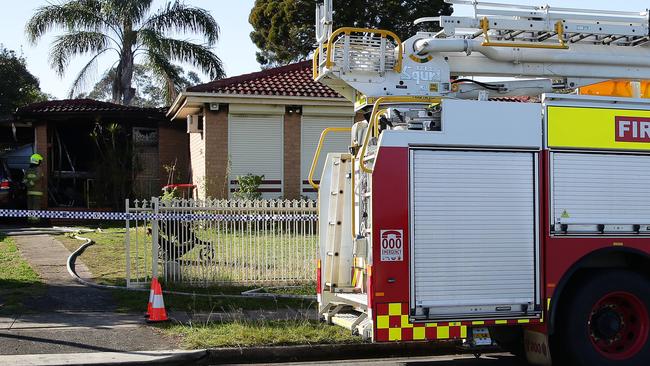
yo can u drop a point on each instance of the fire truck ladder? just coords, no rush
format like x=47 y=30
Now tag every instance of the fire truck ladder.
x=346 y=306
x=343 y=289
x=333 y=276
x=554 y=48
x=507 y=25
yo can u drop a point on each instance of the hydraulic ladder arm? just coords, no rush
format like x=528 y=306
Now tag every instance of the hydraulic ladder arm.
x=552 y=48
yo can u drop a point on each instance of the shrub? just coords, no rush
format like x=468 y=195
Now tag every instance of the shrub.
x=249 y=187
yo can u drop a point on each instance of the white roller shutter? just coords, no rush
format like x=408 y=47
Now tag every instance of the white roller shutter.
x=473 y=233
x=255 y=146
x=601 y=188
x=312 y=127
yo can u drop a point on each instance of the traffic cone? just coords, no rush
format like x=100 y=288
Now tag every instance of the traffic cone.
x=154 y=282
x=158 y=313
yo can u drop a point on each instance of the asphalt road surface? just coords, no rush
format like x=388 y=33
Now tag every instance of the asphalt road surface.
x=494 y=359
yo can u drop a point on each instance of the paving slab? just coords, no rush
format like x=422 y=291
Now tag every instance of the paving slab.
x=82 y=340
x=59 y=320
x=105 y=358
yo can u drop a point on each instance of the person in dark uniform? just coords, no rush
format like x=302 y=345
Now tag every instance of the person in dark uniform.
x=32 y=183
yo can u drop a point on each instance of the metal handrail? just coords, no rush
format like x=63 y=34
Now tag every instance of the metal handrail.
x=314 y=161
x=315 y=64
x=374 y=121
x=383 y=33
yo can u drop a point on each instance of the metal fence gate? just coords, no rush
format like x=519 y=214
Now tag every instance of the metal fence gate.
x=222 y=242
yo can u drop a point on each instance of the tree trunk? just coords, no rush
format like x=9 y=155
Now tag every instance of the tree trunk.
x=122 y=90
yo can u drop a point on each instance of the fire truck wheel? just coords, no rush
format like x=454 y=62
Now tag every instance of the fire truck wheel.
x=606 y=321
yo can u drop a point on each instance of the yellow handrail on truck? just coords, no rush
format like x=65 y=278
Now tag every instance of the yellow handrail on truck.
x=383 y=33
x=314 y=161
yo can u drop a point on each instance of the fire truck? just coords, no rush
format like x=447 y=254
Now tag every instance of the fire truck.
x=461 y=213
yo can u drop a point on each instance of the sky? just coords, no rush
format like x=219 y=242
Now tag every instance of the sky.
x=235 y=48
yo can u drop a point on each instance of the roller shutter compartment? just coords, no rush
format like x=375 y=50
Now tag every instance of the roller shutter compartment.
x=591 y=188
x=474 y=241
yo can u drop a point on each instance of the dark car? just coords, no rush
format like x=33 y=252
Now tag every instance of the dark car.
x=10 y=189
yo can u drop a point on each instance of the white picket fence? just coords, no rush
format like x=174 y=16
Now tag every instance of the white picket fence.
x=222 y=242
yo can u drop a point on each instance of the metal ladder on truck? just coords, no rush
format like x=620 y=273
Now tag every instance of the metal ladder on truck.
x=553 y=48
x=342 y=271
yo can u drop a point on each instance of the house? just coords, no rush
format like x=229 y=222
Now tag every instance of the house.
x=147 y=143
x=264 y=123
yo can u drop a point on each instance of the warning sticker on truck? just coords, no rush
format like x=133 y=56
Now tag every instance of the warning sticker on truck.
x=392 y=246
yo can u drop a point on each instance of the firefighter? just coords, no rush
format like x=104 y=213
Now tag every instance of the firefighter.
x=32 y=183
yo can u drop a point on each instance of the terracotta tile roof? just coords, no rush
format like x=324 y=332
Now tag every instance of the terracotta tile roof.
x=294 y=80
x=81 y=106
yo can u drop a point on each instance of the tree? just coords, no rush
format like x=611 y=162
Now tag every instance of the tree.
x=18 y=87
x=283 y=30
x=148 y=90
x=127 y=30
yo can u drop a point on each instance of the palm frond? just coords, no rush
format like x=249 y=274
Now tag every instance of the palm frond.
x=166 y=72
x=72 y=15
x=133 y=11
x=75 y=43
x=84 y=76
x=178 y=17
x=196 y=55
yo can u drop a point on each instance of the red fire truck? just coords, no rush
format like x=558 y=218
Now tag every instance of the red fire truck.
x=478 y=211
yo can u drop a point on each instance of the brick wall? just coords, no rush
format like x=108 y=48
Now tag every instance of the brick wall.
x=41 y=147
x=291 y=177
x=215 y=135
x=173 y=147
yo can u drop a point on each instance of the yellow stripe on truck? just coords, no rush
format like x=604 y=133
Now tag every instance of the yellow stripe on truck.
x=598 y=128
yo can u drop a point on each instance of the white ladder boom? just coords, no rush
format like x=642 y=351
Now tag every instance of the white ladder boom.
x=561 y=48
x=539 y=24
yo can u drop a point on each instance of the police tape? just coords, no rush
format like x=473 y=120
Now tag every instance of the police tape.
x=122 y=216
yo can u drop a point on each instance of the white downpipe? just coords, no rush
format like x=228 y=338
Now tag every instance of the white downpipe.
x=577 y=54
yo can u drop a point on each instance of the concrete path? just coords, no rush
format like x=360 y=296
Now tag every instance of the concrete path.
x=106 y=358
x=494 y=359
x=69 y=317
x=48 y=257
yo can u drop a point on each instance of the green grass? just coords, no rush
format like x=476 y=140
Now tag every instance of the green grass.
x=106 y=260
x=18 y=281
x=260 y=333
x=237 y=256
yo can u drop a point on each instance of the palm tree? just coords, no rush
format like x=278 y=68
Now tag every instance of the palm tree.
x=127 y=30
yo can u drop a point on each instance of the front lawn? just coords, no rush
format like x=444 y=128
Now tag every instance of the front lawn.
x=260 y=333
x=106 y=260
x=18 y=280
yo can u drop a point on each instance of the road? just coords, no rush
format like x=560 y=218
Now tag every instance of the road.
x=495 y=359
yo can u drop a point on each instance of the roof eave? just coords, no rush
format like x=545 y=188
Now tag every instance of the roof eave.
x=180 y=99
x=194 y=99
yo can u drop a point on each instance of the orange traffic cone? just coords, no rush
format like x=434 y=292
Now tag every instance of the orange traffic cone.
x=158 y=313
x=154 y=282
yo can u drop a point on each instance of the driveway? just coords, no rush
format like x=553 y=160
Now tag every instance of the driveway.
x=69 y=317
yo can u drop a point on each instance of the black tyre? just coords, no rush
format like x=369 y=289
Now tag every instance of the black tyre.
x=606 y=321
